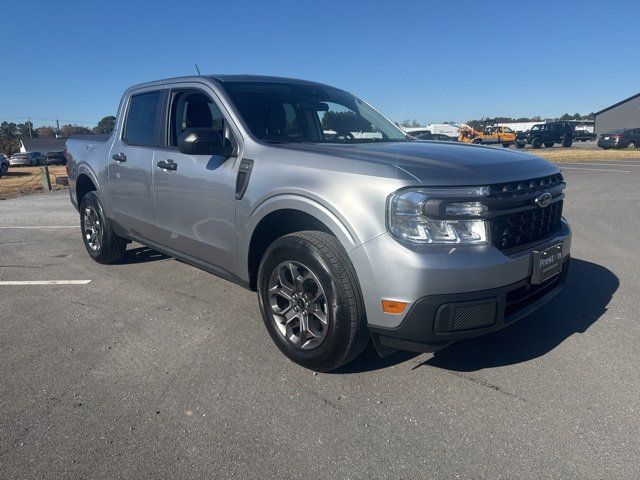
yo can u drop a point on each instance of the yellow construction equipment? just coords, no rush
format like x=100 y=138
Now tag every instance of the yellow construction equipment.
x=491 y=136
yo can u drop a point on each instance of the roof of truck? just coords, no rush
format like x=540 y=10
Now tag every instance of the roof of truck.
x=223 y=78
x=262 y=79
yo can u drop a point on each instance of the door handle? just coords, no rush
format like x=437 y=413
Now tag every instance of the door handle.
x=167 y=165
x=120 y=157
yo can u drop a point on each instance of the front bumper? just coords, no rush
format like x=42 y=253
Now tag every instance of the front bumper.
x=428 y=278
x=608 y=144
x=428 y=325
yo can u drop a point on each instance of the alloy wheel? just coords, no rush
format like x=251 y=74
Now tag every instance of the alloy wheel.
x=92 y=228
x=299 y=306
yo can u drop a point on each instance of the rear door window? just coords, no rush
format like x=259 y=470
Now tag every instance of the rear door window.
x=140 y=122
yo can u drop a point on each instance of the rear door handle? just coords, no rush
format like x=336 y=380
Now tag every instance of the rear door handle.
x=120 y=157
x=167 y=165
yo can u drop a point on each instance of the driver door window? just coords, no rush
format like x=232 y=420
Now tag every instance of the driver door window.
x=193 y=109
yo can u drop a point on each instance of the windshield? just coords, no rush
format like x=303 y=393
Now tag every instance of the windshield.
x=293 y=112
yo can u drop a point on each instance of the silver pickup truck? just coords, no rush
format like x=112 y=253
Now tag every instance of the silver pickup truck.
x=348 y=229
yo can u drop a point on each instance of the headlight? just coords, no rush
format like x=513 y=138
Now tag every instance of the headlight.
x=439 y=216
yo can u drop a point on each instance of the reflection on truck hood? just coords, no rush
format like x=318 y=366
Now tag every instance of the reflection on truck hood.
x=440 y=163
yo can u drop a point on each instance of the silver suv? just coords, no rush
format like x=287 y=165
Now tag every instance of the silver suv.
x=348 y=229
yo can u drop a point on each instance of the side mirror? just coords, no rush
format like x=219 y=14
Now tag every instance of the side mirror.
x=202 y=141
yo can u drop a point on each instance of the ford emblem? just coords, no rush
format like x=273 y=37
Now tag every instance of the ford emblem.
x=543 y=200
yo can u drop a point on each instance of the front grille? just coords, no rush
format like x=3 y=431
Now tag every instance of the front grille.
x=521 y=228
x=524 y=296
x=523 y=222
x=514 y=190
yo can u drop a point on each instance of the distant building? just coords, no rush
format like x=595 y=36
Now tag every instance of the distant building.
x=42 y=145
x=624 y=114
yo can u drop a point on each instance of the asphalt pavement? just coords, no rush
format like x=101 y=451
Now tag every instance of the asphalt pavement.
x=154 y=369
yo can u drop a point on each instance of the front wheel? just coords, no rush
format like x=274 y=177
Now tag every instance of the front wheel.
x=310 y=301
x=536 y=143
x=101 y=243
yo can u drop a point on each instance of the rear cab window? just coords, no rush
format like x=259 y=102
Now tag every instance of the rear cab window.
x=140 y=125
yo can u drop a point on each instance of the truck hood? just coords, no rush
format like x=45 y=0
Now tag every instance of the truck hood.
x=442 y=163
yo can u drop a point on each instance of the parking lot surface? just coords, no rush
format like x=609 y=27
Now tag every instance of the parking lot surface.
x=154 y=369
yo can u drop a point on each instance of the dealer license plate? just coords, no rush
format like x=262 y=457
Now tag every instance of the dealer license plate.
x=546 y=264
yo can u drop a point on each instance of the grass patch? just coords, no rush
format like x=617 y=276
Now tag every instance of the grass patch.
x=560 y=154
x=22 y=180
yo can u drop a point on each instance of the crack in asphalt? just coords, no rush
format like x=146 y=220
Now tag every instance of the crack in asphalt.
x=489 y=385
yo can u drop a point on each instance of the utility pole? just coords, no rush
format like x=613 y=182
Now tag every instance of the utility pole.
x=57 y=127
x=29 y=120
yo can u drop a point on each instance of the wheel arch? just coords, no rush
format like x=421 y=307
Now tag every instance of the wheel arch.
x=280 y=216
x=84 y=184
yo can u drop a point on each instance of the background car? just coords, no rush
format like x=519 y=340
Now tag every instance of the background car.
x=548 y=134
x=56 y=158
x=434 y=136
x=417 y=133
x=27 y=159
x=621 y=138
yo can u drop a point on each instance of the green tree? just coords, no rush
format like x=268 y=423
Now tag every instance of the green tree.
x=26 y=130
x=9 y=138
x=68 y=130
x=409 y=123
x=106 y=125
x=46 y=132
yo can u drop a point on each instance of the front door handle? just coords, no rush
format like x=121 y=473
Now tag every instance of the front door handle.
x=167 y=165
x=120 y=157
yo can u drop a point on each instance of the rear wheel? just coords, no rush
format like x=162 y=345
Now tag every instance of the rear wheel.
x=101 y=243
x=310 y=301
x=536 y=143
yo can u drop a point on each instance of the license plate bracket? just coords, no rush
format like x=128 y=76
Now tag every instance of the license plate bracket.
x=546 y=264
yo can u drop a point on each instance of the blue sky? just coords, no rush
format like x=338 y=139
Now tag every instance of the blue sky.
x=433 y=61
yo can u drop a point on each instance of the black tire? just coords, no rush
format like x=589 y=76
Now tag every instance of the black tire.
x=506 y=145
x=346 y=333
x=111 y=247
x=520 y=145
x=567 y=142
x=536 y=143
x=548 y=144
